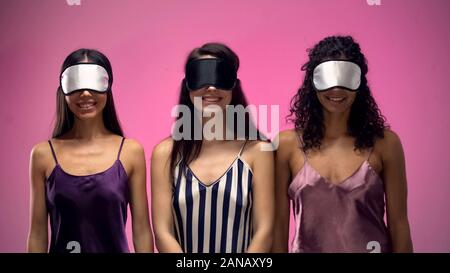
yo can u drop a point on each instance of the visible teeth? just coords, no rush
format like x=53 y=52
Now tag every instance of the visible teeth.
x=86 y=105
x=211 y=99
x=336 y=99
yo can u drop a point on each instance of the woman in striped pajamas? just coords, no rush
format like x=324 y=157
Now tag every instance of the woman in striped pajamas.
x=212 y=196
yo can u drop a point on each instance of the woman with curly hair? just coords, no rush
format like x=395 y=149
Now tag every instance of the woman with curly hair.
x=341 y=162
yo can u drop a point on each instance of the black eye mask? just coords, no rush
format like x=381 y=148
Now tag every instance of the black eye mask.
x=210 y=72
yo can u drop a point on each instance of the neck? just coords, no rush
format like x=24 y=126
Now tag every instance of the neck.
x=336 y=124
x=88 y=129
x=223 y=134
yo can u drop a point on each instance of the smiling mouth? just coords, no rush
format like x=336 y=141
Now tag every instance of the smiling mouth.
x=211 y=99
x=336 y=99
x=86 y=105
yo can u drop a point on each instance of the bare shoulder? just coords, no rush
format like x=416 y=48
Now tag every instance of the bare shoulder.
x=391 y=137
x=258 y=154
x=287 y=142
x=390 y=145
x=259 y=147
x=390 y=140
x=41 y=152
x=163 y=149
x=41 y=158
x=132 y=147
x=288 y=137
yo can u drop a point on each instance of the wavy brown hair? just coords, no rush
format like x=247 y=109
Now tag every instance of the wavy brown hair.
x=365 y=124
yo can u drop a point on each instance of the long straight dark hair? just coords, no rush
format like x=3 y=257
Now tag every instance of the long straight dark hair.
x=64 y=117
x=188 y=150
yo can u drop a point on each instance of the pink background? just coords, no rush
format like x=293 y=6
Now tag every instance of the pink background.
x=406 y=42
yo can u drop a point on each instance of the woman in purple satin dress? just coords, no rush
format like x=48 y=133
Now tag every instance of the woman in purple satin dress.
x=341 y=166
x=85 y=177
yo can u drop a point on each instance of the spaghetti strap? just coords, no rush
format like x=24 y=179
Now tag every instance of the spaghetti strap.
x=120 y=149
x=305 y=157
x=242 y=148
x=53 y=152
x=370 y=153
x=179 y=160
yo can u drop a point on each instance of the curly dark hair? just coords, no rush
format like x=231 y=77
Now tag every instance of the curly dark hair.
x=365 y=124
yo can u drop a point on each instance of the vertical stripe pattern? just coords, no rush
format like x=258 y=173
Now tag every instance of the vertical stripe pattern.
x=214 y=218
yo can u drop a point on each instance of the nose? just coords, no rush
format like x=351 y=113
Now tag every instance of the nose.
x=211 y=88
x=85 y=93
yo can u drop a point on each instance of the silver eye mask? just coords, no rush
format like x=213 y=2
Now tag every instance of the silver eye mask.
x=331 y=74
x=84 y=76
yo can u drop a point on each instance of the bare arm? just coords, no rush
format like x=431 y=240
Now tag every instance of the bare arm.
x=282 y=204
x=396 y=193
x=263 y=200
x=142 y=234
x=162 y=199
x=38 y=230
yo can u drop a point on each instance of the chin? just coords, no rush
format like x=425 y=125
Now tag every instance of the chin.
x=337 y=110
x=87 y=116
x=212 y=108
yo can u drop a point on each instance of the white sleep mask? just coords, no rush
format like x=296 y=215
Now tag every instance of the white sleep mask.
x=84 y=76
x=331 y=74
